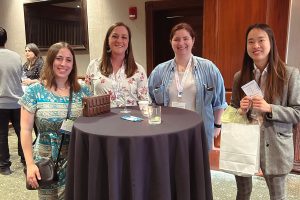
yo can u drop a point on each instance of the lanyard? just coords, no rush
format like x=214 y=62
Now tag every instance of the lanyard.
x=185 y=75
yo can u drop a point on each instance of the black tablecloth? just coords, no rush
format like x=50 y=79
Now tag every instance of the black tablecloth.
x=111 y=158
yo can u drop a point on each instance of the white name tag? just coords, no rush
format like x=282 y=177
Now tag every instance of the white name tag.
x=67 y=125
x=178 y=104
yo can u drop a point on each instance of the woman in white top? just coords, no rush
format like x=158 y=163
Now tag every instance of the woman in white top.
x=117 y=73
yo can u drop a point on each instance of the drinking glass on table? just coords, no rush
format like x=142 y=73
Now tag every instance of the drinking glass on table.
x=125 y=110
x=154 y=114
x=143 y=105
x=123 y=96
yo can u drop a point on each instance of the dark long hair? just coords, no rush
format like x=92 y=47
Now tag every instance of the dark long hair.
x=48 y=76
x=34 y=48
x=106 y=66
x=3 y=37
x=276 y=75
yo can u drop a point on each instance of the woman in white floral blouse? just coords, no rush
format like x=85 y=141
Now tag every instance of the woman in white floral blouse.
x=117 y=73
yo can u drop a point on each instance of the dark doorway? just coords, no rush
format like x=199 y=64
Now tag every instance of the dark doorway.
x=160 y=18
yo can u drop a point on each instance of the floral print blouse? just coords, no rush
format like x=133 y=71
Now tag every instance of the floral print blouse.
x=121 y=89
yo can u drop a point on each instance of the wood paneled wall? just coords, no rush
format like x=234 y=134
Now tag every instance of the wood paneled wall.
x=225 y=24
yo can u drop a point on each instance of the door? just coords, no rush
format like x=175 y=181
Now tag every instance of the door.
x=161 y=17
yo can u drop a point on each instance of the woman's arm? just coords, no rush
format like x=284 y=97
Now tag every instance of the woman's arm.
x=27 y=120
x=142 y=85
x=217 y=115
x=29 y=81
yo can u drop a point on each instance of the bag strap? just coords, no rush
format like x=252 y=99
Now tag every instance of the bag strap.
x=67 y=117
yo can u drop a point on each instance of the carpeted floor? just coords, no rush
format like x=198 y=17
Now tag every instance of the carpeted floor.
x=224 y=187
x=12 y=187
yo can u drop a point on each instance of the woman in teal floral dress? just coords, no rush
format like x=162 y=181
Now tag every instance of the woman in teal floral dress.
x=46 y=104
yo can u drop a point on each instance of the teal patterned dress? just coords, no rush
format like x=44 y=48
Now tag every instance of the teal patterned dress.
x=50 y=110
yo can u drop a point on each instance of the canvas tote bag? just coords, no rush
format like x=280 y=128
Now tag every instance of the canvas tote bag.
x=239 y=149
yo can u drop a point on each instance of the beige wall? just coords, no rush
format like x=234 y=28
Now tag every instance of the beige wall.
x=101 y=14
x=12 y=19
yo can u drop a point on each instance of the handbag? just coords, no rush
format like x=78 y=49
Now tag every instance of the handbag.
x=47 y=168
x=95 y=105
x=240 y=145
x=48 y=172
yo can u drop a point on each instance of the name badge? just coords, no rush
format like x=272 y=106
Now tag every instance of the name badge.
x=178 y=104
x=66 y=126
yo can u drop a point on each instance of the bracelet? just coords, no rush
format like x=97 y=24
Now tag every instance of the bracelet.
x=218 y=125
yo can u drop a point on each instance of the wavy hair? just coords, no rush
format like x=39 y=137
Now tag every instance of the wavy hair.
x=48 y=76
x=105 y=64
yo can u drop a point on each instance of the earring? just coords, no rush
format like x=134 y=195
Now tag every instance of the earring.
x=108 y=50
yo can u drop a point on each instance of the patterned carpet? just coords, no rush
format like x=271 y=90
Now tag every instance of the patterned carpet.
x=12 y=187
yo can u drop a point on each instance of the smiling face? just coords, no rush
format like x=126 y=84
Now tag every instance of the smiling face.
x=29 y=54
x=63 y=64
x=118 y=40
x=258 y=47
x=182 y=43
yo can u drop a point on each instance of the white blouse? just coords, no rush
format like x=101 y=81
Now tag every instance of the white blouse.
x=121 y=89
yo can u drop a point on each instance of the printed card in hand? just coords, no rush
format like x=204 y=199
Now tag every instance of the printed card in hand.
x=252 y=89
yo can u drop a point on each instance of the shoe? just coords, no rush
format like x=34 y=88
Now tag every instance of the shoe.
x=5 y=171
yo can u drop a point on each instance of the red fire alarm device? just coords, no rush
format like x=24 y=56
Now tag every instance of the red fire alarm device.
x=132 y=13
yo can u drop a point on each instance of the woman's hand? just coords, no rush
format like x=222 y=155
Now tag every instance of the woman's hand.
x=33 y=175
x=88 y=79
x=217 y=132
x=258 y=103
x=245 y=105
x=26 y=81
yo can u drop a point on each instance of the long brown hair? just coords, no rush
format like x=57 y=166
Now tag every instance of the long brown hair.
x=276 y=74
x=106 y=66
x=48 y=76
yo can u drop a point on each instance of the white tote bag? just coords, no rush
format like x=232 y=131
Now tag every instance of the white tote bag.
x=239 y=149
